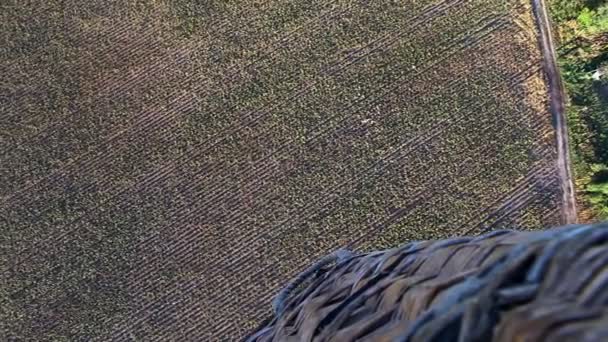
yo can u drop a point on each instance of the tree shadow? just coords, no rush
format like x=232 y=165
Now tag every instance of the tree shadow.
x=600 y=177
x=594 y=4
x=601 y=88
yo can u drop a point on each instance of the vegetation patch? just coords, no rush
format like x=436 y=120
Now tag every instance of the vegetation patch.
x=583 y=57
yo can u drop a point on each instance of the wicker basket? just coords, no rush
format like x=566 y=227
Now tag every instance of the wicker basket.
x=504 y=286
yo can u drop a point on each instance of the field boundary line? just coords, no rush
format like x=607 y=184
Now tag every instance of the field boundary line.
x=557 y=100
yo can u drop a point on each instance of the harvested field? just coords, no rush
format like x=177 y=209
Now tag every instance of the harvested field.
x=166 y=166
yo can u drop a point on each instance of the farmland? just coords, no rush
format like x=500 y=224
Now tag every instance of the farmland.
x=166 y=166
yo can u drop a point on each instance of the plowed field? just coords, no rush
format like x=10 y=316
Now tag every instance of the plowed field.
x=166 y=165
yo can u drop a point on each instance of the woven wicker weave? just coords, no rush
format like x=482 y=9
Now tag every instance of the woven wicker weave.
x=504 y=286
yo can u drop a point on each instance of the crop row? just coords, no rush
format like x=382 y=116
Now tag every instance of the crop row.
x=73 y=136
x=229 y=155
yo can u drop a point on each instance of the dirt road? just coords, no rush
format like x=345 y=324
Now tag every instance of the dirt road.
x=557 y=94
